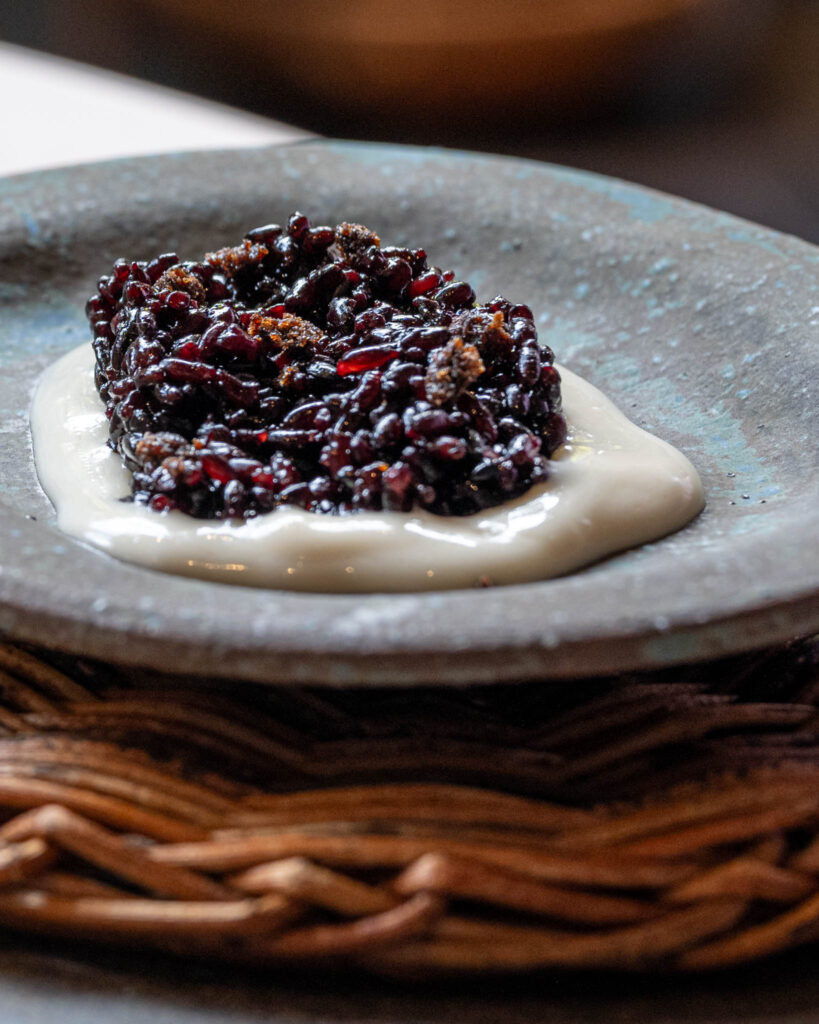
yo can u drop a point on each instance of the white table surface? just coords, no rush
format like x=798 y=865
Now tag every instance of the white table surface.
x=52 y=107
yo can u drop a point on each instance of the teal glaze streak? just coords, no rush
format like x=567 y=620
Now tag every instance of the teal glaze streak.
x=714 y=431
x=762 y=239
x=31 y=224
x=27 y=218
x=642 y=204
x=38 y=328
x=378 y=155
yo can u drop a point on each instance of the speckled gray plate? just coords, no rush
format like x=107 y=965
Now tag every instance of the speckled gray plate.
x=703 y=328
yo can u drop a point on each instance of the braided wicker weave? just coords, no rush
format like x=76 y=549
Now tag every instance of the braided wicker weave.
x=653 y=821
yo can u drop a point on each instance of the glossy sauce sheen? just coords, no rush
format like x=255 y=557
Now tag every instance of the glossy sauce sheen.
x=613 y=486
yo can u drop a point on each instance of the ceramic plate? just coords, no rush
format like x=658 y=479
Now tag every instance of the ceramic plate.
x=703 y=328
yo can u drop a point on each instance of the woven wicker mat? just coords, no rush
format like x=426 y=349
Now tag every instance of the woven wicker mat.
x=651 y=821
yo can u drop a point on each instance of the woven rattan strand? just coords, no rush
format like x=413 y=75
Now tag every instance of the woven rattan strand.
x=666 y=821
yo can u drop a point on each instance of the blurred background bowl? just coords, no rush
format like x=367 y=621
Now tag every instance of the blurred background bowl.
x=716 y=100
x=425 y=65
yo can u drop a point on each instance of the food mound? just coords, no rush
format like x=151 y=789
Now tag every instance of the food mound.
x=312 y=366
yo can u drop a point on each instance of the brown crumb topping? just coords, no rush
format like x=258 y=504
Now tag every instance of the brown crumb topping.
x=452 y=369
x=234 y=258
x=179 y=279
x=287 y=332
x=353 y=239
x=154 y=448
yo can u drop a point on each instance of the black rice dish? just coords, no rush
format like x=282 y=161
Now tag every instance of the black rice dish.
x=312 y=366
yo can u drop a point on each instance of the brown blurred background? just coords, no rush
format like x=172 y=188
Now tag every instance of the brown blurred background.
x=716 y=100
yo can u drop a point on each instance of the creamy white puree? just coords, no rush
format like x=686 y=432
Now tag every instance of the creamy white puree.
x=613 y=486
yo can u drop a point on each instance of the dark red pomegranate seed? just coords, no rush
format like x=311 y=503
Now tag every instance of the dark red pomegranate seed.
x=237 y=342
x=264 y=478
x=318 y=239
x=161 y=503
x=423 y=284
x=529 y=364
x=266 y=235
x=178 y=300
x=425 y=424
x=456 y=294
x=296 y=494
x=368 y=321
x=549 y=376
x=362 y=359
x=397 y=481
x=449 y=448
x=187 y=349
x=217 y=468
x=182 y=369
x=298 y=226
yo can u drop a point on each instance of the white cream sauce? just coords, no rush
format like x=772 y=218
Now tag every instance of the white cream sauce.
x=613 y=486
